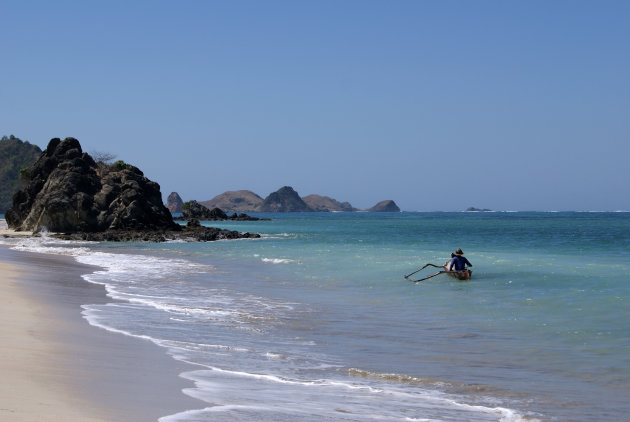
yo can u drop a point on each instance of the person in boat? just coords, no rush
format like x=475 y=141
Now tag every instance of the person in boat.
x=459 y=262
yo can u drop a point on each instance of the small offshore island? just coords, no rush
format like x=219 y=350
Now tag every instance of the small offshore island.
x=285 y=199
x=73 y=197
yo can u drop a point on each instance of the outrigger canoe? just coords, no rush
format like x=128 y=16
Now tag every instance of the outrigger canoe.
x=460 y=275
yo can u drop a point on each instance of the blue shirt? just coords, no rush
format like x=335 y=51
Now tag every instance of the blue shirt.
x=459 y=262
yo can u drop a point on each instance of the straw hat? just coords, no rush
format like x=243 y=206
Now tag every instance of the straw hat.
x=459 y=252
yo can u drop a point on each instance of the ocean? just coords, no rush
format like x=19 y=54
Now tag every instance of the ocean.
x=315 y=321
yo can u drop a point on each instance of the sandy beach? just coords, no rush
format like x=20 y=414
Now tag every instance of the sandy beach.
x=56 y=367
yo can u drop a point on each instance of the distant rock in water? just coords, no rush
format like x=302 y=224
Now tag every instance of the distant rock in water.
x=284 y=200
x=193 y=210
x=326 y=204
x=385 y=206
x=473 y=209
x=235 y=201
x=174 y=203
x=15 y=156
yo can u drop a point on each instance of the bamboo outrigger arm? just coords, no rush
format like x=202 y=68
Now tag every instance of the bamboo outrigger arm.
x=431 y=265
x=461 y=275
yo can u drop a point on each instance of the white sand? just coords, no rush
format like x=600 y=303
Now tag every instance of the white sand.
x=32 y=387
x=56 y=367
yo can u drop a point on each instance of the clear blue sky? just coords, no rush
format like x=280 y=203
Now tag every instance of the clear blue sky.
x=439 y=105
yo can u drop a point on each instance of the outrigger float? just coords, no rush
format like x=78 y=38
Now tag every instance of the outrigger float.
x=460 y=275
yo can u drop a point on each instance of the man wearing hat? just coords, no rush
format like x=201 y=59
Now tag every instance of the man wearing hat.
x=458 y=263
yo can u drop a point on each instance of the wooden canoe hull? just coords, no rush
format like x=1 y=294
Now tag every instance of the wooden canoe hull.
x=460 y=275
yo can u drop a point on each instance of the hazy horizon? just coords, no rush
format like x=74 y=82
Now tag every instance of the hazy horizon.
x=437 y=105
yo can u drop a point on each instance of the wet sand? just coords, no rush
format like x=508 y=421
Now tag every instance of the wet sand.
x=57 y=367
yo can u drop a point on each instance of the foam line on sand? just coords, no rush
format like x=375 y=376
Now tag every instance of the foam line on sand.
x=56 y=367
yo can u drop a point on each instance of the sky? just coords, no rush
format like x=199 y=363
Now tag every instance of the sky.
x=438 y=105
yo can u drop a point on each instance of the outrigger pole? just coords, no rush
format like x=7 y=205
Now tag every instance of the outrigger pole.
x=432 y=265
x=432 y=275
x=443 y=271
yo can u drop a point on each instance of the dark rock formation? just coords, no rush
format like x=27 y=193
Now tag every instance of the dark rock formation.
x=284 y=200
x=326 y=204
x=188 y=233
x=473 y=209
x=68 y=193
x=235 y=201
x=174 y=203
x=245 y=217
x=193 y=210
x=385 y=206
x=15 y=156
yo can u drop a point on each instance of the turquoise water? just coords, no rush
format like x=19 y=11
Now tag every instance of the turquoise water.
x=547 y=306
x=315 y=321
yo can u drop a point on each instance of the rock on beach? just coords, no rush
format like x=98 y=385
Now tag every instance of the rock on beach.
x=67 y=193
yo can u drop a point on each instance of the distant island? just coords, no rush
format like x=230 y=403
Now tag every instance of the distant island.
x=385 y=206
x=326 y=204
x=473 y=209
x=286 y=199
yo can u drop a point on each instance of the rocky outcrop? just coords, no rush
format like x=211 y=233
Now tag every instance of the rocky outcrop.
x=325 y=204
x=193 y=210
x=191 y=232
x=235 y=201
x=67 y=192
x=285 y=199
x=174 y=203
x=385 y=206
x=15 y=156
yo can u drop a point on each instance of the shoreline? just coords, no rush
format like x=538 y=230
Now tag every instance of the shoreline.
x=56 y=366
